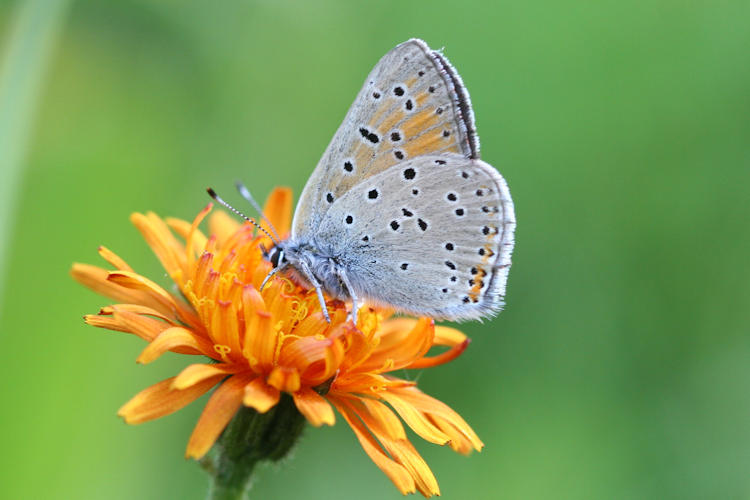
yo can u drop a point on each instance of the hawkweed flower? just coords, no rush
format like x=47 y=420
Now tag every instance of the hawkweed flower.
x=273 y=358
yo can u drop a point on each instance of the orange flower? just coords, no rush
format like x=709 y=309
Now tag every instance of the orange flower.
x=277 y=340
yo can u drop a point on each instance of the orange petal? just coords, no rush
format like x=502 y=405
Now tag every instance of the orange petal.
x=304 y=351
x=367 y=383
x=459 y=443
x=198 y=372
x=284 y=379
x=314 y=407
x=222 y=225
x=415 y=419
x=182 y=227
x=161 y=399
x=313 y=324
x=400 y=344
x=316 y=359
x=395 y=472
x=432 y=407
x=114 y=259
x=401 y=450
x=145 y=327
x=169 y=251
x=172 y=338
x=259 y=344
x=219 y=410
x=166 y=301
x=95 y=278
x=105 y=322
x=445 y=335
x=278 y=210
x=442 y=358
x=391 y=425
x=135 y=281
x=140 y=310
x=260 y=395
x=195 y=240
x=358 y=347
x=405 y=453
x=225 y=328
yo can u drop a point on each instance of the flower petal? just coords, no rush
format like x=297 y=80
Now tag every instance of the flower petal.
x=316 y=359
x=114 y=259
x=401 y=450
x=135 y=281
x=415 y=419
x=433 y=407
x=278 y=210
x=219 y=410
x=401 y=342
x=395 y=471
x=284 y=379
x=442 y=358
x=169 y=251
x=95 y=278
x=140 y=310
x=222 y=225
x=367 y=383
x=145 y=327
x=259 y=344
x=162 y=399
x=183 y=227
x=459 y=442
x=225 y=328
x=260 y=395
x=172 y=338
x=445 y=335
x=198 y=372
x=104 y=322
x=314 y=407
x=390 y=423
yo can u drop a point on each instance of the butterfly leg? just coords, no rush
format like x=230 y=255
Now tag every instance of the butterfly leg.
x=268 y=277
x=318 y=289
x=355 y=301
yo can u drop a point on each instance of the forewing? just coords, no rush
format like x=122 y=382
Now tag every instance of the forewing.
x=413 y=103
x=430 y=236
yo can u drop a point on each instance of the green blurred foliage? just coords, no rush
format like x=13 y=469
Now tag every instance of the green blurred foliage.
x=620 y=368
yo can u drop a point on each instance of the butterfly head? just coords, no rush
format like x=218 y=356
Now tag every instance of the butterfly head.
x=277 y=257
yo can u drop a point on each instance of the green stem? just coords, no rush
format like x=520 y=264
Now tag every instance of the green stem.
x=250 y=437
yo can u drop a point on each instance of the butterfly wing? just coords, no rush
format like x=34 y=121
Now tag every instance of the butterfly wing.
x=413 y=103
x=430 y=236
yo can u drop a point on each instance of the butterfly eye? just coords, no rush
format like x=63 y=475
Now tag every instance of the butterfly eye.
x=276 y=256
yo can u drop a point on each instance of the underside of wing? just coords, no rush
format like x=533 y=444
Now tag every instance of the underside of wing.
x=430 y=236
x=413 y=103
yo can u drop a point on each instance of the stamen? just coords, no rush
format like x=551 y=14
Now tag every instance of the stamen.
x=222 y=351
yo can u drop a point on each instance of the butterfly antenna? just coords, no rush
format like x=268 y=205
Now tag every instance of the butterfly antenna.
x=216 y=197
x=245 y=193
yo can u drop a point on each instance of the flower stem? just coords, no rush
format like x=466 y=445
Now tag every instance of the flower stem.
x=249 y=438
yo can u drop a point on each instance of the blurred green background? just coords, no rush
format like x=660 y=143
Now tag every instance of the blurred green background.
x=620 y=368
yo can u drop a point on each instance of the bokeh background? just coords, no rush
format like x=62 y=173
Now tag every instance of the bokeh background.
x=620 y=368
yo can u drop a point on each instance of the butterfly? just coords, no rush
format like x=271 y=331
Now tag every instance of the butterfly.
x=400 y=210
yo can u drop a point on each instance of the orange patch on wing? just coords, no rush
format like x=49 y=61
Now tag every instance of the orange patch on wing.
x=488 y=252
x=389 y=121
x=430 y=142
x=361 y=158
x=476 y=288
x=421 y=98
x=420 y=122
